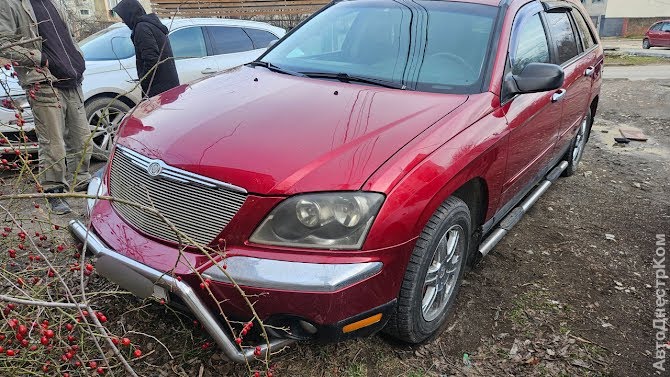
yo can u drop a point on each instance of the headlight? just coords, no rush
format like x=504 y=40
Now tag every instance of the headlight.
x=339 y=220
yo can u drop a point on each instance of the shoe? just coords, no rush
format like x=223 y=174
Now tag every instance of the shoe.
x=59 y=206
x=81 y=186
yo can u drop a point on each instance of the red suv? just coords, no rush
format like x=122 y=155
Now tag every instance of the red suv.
x=348 y=177
x=658 y=35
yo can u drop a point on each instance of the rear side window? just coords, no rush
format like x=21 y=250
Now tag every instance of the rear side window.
x=564 y=37
x=666 y=27
x=584 y=31
x=656 y=27
x=261 y=38
x=188 y=43
x=228 y=40
x=532 y=46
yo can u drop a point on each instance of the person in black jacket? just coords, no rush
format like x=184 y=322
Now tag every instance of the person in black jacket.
x=152 y=48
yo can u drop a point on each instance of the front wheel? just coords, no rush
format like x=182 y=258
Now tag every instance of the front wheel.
x=645 y=44
x=433 y=274
x=104 y=118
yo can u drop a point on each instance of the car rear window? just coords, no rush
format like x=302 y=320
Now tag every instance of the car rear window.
x=584 y=30
x=228 y=40
x=109 y=44
x=564 y=37
x=188 y=43
x=260 y=38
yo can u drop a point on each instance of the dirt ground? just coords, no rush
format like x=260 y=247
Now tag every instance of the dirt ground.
x=566 y=293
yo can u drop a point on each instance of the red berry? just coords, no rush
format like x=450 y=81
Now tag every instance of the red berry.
x=44 y=340
x=22 y=330
x=69 y=326
x=89 y=267
x=92 y=364
x=115 y=341
x=49 y=334
x=10 y=353
x=238 y=340
x=100 y=371
x=102 y=319
x=137 y=353
x=125 y=341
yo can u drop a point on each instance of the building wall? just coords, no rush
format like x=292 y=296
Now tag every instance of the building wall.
x=80 y=9
x=627 y=27
x=638 y=9
x=103 y=9
x=596 y=8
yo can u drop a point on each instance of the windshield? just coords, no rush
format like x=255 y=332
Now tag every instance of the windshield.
x=109 y=44
x=431 y=46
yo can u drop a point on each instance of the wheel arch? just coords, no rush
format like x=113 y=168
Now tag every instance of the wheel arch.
x=123 y=98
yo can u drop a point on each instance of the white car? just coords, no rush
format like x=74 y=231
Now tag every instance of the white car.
x=201 y=47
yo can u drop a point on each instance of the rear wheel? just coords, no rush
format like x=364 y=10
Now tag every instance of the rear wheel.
x=104 y=118
x=433 y=274
x=574 y=154
x=645 y=44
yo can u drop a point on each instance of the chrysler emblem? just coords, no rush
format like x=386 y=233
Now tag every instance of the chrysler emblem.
x=154 y=169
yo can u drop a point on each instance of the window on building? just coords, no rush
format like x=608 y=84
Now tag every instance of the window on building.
x=84 y=12
x=564 y=37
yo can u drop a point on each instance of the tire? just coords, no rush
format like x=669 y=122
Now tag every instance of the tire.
x=104 y=117
x=417 y=317
x=574 y=154
x=645 y=44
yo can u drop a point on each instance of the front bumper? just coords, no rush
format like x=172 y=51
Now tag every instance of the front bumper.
x=292 y=285
x=141 y=279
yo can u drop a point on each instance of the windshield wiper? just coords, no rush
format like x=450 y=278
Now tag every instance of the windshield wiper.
x=274 y=68
x=345 y=77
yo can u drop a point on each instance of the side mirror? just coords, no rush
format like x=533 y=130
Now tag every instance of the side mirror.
x=535 y=78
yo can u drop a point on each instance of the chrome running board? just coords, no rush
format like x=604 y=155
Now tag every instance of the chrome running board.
x=517 y=213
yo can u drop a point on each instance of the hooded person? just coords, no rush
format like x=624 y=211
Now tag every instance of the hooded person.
x=152 y=48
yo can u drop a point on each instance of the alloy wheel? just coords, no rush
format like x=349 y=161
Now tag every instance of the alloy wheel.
x=104 y=125
x=580 y=142
x=442 y=275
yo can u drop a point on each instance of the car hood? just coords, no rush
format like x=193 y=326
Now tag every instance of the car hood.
x=275 y=134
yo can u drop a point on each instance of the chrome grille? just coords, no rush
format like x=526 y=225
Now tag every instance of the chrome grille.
x=198 y=206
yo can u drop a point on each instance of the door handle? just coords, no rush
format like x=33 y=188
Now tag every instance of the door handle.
x=208 y=71
x=589 y=71
x=558 y=95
